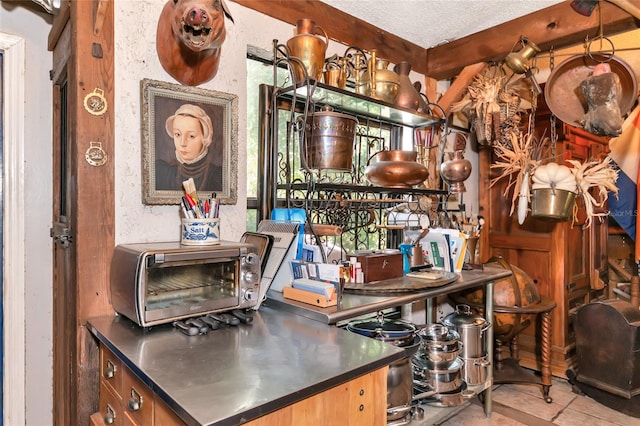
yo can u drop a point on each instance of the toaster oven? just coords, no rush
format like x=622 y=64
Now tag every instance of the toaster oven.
x=156 y=283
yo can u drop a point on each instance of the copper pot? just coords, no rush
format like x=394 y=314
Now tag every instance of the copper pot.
x=329 y=139
x=562 y=94
x=378 y=81
x=455 y=170
x=395 y=169
x=552 y=204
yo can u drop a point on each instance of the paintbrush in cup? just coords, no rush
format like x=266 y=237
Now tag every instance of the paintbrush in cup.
x=190 y=188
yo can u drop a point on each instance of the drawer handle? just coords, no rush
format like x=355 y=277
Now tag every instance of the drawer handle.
x=110 y=371
x=110 y=417
x=135 y=403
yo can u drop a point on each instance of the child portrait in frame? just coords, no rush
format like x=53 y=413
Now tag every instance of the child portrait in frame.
x=188 y=133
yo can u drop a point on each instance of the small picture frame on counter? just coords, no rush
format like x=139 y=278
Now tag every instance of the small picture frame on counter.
x=188 y=132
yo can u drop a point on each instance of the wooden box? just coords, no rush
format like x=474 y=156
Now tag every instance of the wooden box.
x=308 y=297
x=381 y=266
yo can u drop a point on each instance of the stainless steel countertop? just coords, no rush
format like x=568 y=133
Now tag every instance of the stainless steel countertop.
x=236 y=374
x=357 y=304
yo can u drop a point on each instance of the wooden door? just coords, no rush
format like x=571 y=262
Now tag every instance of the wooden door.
x=64 y=280
x=83 y=202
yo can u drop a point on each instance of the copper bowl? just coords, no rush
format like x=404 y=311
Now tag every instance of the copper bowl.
x=395 y=169
x=563 y=94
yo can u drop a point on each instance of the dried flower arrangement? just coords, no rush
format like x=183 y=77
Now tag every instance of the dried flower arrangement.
x=480 y=104
x=517 y=159
x=520 y=163
x=600 y=175
x=493 y=104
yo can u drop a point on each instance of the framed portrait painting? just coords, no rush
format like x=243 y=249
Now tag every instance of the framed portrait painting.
x=188 y=132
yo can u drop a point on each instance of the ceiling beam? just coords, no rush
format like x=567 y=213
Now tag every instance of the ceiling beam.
x=343 y=28
x=554 y=27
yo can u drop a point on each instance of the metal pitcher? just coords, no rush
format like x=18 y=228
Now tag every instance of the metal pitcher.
x=378 y=81
x=309 y=46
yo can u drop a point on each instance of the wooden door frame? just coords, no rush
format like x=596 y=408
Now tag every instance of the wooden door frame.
x=82 y=41
x=13 y=96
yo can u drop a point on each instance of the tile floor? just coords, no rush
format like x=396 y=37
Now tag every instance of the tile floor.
x=516 y=405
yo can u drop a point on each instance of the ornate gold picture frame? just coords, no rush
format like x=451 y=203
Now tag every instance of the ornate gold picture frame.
x=169 y=155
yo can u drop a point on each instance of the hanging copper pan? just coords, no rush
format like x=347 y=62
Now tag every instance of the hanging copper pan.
x=563 y=94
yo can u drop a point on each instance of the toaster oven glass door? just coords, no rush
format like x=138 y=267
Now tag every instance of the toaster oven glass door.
x=178 y=290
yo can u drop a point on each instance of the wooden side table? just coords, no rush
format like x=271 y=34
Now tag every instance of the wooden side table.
x=508 y=369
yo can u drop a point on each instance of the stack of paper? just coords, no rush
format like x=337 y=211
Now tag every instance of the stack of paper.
x=444 y=249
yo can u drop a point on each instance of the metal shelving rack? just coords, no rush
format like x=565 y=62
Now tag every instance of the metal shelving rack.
x=344 y=199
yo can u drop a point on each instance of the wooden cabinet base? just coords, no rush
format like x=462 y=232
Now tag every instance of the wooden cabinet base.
x=126 y=400
x=361 y=401
x=565 y=260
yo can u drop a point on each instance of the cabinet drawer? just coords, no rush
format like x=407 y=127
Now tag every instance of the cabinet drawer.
x=137 y=399
x=111 y=370
x=110 y=406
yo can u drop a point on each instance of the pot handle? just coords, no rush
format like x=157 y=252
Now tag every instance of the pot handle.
x=468 y=393
x=324 y=33
x=482 y=363
x=373 y=155
x=463 y=309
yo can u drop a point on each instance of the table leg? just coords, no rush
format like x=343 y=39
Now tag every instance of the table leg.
x=430 y=310
x=546 y=355
x=488 y=315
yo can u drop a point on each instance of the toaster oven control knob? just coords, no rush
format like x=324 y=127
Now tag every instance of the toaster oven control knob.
x=251 y=295
x=251 y=277
x=252 y=259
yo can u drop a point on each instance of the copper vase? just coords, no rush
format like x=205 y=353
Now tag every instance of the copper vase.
x=408 y=97
x=455 y=170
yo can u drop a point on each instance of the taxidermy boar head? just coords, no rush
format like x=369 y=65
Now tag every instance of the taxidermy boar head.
x=189 y=38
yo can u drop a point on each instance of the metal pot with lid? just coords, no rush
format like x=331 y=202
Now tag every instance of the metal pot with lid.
x=471 y=327
x=400 y=376
x=395 y=332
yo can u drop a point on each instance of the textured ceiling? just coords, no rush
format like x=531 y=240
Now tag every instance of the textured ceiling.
x=428 y=23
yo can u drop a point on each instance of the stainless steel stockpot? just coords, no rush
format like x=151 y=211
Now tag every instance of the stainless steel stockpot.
x=471 y=328
x=440 y=380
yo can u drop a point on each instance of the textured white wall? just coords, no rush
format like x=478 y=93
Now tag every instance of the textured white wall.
x=136 y=59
